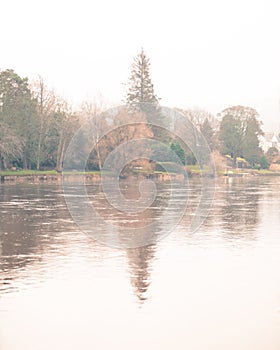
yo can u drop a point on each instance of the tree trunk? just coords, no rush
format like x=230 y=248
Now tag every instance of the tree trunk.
x=98 y=157
x=24 y=162
x=58 y=156
x=61 y=157
x=38 y=160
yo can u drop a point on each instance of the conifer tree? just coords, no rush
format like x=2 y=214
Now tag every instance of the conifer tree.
x=140 y=87
x=141 y=96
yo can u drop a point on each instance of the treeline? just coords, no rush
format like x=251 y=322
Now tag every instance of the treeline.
x=36 y=125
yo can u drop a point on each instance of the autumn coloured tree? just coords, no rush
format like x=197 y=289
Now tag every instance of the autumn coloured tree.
x=141 y=96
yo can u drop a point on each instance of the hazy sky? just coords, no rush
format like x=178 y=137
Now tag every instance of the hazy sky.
x=209 y=54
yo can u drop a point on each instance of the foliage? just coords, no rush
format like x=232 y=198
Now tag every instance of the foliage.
x=179 y=151
x=36 y=125
x=208 y=132
x=272 y=152
x=127 y=126
x=264 y=162
x=140 y=87
x=141 y=97
x=169 y=167
x=18 y=112
x=239 y=132
x=11 y=146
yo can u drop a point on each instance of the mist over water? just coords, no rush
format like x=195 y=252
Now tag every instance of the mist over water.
x=218 y=288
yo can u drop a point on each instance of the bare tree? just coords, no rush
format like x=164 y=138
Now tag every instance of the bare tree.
x=11 y=145
x=46 y=105
x=92 y=112
x=126 y=128
x=198 y=116
x=66 y=124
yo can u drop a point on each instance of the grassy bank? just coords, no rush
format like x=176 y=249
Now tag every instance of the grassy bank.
x=192 y=169
x=261 y=172
x=26 y=172
x=46 y=172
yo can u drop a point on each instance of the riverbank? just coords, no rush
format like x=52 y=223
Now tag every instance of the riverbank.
x=77 y=177
x=32 y=176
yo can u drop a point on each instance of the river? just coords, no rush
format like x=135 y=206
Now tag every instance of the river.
x=217 y=288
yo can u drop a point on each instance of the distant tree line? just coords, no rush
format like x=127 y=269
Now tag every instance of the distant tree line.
x=36 y=125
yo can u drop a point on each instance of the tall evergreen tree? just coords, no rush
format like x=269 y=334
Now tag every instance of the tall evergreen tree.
x=140 y=87
x=141 y=97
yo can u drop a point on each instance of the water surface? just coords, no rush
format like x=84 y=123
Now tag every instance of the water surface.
x=216 y=289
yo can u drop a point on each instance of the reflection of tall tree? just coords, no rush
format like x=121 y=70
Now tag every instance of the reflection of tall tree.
x=130 y=230
x=140 y=260
x=118 y=219
x=123 y=229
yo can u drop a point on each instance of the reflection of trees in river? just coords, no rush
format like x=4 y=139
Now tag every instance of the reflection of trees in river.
x=239 y=207
x=127 y=229
x=36 y=223
x=29 y=223
x=235 y=208
x=120 y=226
x=140 y=258
x=140 y=263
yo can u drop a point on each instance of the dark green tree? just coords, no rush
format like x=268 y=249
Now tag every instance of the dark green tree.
x=18 y=111
x=251 y=150
x=272 y=152
x=264 y=162
x=239 y=131
x=140 y=87
x=179 y=151
x=208 y=132
x=231 y=137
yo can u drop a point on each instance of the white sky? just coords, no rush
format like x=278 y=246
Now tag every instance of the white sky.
x=209 y=54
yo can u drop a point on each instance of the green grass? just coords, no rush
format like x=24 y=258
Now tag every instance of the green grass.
x=196 y=168
x=265 y=171
x=48 y=172
x=27 y=172
x=193 y=168
x=250 y=171
x=165 y=172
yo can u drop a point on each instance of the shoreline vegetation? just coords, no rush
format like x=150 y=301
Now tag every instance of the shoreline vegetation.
x=34 y=176
x=37 y=128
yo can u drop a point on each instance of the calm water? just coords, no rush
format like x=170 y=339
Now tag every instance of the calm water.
x=216 y=289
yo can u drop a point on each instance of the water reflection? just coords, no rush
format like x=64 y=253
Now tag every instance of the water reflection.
x=29 y=226
x=60 y=288
x=239 y=209
x=101 y=218
x=140 y=264
x=35 y=223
